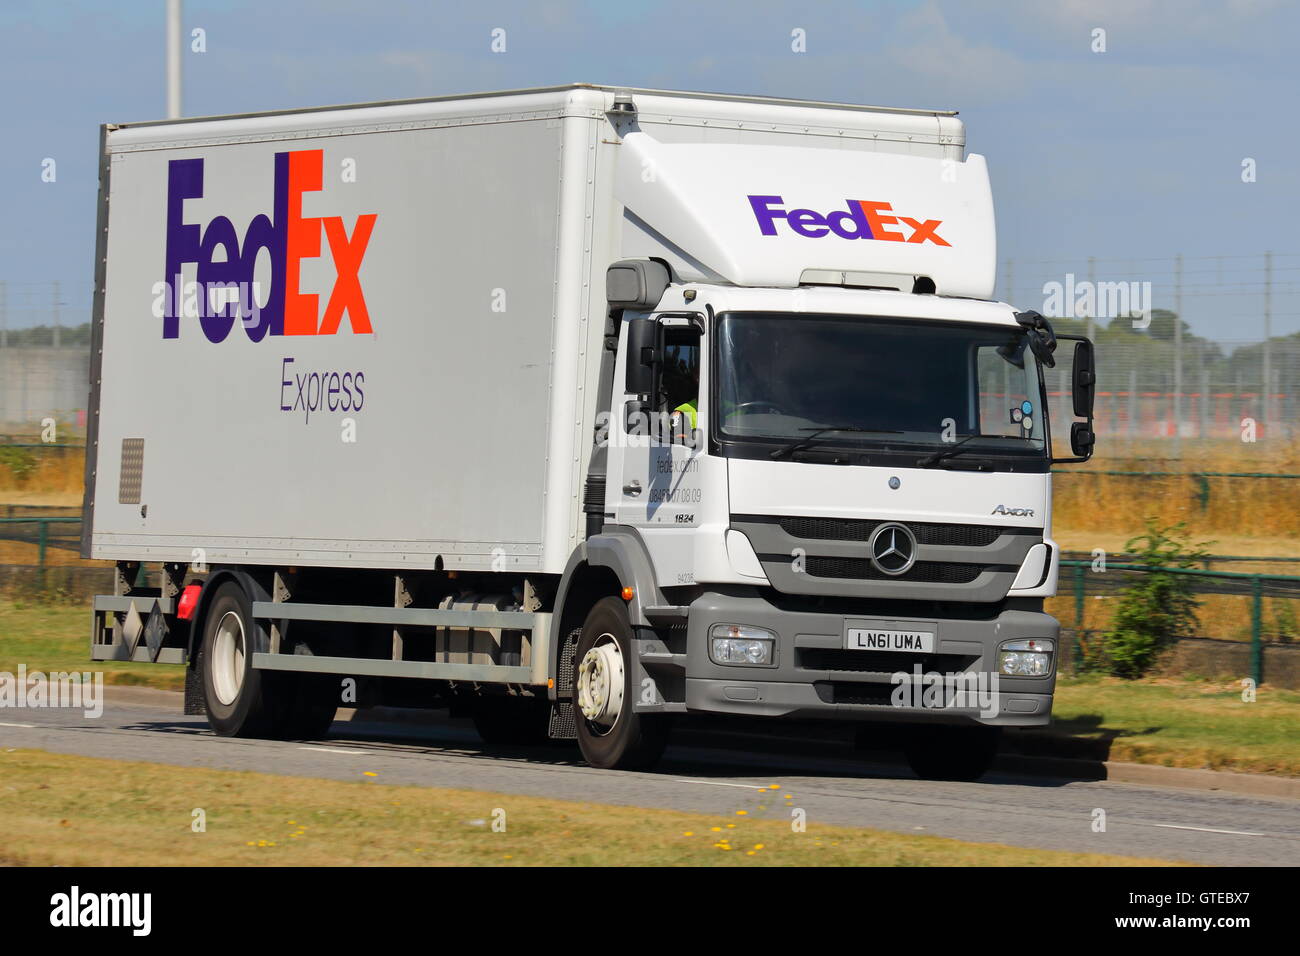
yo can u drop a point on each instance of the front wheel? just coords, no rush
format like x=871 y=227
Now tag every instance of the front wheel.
x=611 y=734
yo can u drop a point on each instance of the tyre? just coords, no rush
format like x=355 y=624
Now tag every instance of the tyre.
x=946 y=752
x=242 y=701
x=232 y=689
x=511 y=721
x=610 y=733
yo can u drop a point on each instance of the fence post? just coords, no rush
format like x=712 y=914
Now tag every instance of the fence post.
x=42 y=540
x=1078 y=615
x=1132 y=403
x=1257 y=629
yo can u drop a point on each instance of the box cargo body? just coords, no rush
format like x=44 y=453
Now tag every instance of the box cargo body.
x=448 y=424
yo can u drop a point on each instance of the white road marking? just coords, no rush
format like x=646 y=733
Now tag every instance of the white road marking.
x=1171 y=826
x=332 y=750
x=28 y=726
x=715 y=783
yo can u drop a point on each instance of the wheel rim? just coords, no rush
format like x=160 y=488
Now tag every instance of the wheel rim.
x=227 y=664
x=600 y=683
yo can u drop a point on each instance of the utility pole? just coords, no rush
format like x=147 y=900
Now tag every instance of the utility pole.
x=1092 y=284
x=4 y=315
x=54 y=314
x=1178 y=354
x=1268 y=334
x=173 y=59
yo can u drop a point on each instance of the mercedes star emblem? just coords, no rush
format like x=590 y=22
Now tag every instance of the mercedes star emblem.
x=893 y=549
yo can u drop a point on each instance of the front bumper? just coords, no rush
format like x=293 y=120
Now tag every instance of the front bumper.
x=813 y=676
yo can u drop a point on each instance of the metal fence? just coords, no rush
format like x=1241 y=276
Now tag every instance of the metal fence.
x=1079 y=578
x=43 y=532
x=1234 y=355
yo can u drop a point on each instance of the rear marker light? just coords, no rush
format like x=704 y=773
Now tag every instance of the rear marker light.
x=188 y=602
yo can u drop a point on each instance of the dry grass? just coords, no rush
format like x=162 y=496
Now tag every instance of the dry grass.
x=55 y=472
x=1089 y=506
x=1221 y=616
x=21 y=552
x=83 y=811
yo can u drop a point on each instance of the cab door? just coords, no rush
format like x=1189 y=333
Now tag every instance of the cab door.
x=662 y=437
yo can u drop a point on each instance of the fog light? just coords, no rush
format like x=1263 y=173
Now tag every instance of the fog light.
x=741 y=644
x=1028 y=658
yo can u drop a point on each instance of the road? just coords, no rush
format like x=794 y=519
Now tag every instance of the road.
x=706 y=773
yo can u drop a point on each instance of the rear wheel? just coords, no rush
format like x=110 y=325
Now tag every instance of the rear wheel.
x=947 y=752
x=611 y=734
x=242 y=701
x=232 y=689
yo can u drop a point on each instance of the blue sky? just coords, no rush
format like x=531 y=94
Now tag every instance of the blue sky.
x=1130 y=156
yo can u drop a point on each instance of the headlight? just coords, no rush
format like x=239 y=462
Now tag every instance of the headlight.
x=741 y=644
x=1028 y=658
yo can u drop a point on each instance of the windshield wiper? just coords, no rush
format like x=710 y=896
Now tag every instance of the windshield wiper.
x=947 y=453
x=809 y=440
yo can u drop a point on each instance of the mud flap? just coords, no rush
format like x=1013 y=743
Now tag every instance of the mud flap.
x=194 y=690
x=563 y=725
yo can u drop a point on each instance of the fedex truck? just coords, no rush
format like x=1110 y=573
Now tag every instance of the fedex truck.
x=576 y=410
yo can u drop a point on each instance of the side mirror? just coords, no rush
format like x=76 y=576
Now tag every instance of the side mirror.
x=1082 y=439
x=1085 y=382
x=642 y=355
x=1083 y=389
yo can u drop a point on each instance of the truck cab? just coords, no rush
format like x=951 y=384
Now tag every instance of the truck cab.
x=830 y=449
x=857 y=521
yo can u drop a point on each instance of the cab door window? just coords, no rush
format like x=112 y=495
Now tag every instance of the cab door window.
x=679 y=390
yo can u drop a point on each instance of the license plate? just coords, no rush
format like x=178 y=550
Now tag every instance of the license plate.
x=870 y=639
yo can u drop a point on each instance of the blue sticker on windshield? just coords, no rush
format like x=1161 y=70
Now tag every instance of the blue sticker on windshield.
x=1027 y=407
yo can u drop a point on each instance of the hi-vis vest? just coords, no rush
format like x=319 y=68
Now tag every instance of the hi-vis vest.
x=687 y=409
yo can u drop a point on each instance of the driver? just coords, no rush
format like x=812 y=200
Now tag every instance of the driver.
x=689 y=391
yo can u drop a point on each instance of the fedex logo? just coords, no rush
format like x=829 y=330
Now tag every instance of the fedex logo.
x=225 y=262
x=861 y=220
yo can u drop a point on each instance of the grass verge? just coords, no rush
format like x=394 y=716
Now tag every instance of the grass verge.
x=84 y=811
x=1176 y=723
x=56 y=637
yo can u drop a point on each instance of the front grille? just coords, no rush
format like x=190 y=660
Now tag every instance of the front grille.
x=882 y=662
x=856 y=529
x=843 y=692
x=894 y=606
x=861 y=569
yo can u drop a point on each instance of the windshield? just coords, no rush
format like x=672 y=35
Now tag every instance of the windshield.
x=890 y=383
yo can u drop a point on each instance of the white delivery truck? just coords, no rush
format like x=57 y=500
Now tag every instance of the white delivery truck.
x=576 y=410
